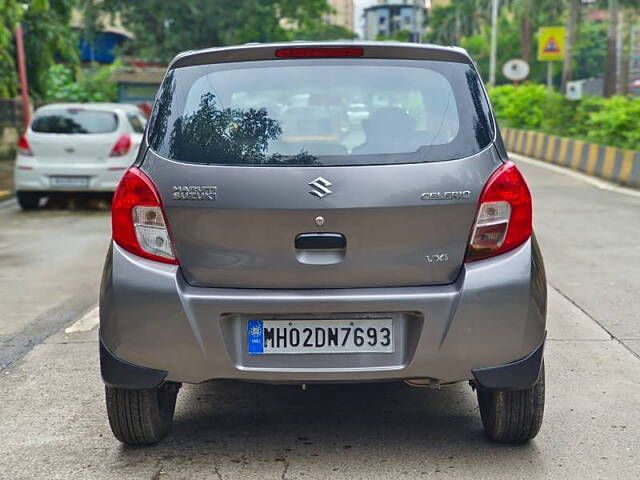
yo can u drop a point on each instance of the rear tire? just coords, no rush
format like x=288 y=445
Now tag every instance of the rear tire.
x=512 y=416
x=141 y=417
x=28 y=200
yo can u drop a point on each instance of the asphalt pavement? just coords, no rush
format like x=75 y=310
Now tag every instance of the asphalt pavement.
x=53 y=423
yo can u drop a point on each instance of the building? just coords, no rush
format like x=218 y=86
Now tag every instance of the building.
x=110 y=35
x=343 y=14
x=389 y=18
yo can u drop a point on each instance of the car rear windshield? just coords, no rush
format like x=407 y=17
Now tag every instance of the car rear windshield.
x=321 y=112
x=74 y=120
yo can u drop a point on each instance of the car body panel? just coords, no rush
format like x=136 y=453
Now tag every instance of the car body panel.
x=245 y=237
x=493 y=313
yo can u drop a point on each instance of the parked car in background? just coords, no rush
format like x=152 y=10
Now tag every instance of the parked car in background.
x=76 y=147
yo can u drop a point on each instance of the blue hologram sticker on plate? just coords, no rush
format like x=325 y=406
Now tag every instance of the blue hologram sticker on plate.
x=255 y=337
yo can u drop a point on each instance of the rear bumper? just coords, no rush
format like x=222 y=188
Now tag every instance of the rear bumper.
x=494 y=314
x=33 y=176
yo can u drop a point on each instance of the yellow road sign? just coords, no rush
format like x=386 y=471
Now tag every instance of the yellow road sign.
x=551 y=44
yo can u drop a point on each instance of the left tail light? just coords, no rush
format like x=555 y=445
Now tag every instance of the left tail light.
x=122 y=146
x=138 y=221
x=23 y=146
x=504 y=219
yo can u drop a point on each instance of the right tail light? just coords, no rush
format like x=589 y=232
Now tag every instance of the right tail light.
x=137 y=218
x=504 y=219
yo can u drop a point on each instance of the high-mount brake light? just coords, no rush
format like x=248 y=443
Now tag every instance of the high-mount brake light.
x=138 y=220
x=23 y=146
x=319 y=52
x=504 y=219
x=122 y=146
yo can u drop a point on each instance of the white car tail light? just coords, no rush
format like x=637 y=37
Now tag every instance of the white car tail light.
x=122 y=146
x=23 y=146
x=138 y=220
x=504 y=219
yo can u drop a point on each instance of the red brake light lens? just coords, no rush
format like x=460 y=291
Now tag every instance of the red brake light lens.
x=319 y=52
x=23 y=146
x=504 y=218
x=122 y=146
x=138 y=220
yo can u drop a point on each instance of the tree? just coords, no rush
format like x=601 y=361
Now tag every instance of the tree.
x=63 y=85
x=589 y=50
x=163 y=28
x=323 y=31
x=610 y=75
x=628 y=20
x=573 y=25
x=48 y=39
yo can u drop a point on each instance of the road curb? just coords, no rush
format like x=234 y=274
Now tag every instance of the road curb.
x=614 y=164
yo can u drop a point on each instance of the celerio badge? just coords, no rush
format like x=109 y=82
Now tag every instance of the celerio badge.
x=456 y=195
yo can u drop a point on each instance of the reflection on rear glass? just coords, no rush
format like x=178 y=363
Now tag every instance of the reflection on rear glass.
x=317 y=113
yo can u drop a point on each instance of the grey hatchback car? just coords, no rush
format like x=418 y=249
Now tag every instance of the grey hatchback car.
x=322 y=212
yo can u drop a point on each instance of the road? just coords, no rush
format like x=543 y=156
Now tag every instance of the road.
x=53 y=423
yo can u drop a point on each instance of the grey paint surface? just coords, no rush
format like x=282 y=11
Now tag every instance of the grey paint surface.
x=53 y=421
x=493 y=314
x=261 y=51
x=164 y=318
x=245 y=238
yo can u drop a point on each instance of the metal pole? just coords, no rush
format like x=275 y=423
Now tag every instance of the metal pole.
x=494 y=42
x=550 y=75
x=414 y=36
x=22 y=72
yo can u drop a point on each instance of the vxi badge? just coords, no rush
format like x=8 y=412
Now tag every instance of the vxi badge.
x=457 y=195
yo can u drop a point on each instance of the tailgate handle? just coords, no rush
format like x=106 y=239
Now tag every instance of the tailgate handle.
x=318 y=241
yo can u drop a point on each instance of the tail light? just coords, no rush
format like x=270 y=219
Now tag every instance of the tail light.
x=138 y=221
x=504 y=219
x=319 y=52
x=23 y=146
x=122 y=146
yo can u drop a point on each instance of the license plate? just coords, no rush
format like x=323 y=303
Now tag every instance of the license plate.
x=320 y=336
x=77 y=182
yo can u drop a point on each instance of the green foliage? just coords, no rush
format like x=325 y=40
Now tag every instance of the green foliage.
x=615 y=123
x=520 y=107
x=590 y=50
x=479 y=48
x=48 y=39
x=398 y=36
x=466 y=23
x=164 y=28
x=323 y=31
x=609 y=121
x=93 y=86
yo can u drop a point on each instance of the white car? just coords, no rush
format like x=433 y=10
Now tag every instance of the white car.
x=76 y=147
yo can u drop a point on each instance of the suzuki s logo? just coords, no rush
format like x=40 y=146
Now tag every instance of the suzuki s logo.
x=320 y=187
